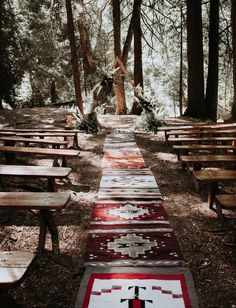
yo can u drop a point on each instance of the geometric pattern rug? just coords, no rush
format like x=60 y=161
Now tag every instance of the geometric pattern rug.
x=137 y=288
x=132 y=255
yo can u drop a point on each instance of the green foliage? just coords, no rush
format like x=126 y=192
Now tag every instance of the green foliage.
x=9 y=75
x=45 y=51
x=89 y=123
x=149 y=122
x=152 y=116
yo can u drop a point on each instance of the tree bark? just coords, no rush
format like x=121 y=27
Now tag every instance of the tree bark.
x=128 y=42
x=181 y=62
x=138 y=66
x=196 y=105
x=119 y=80
x=233 y=21
x=53 y=92
x=211 y=98
x=74 y=58
x=88 y=61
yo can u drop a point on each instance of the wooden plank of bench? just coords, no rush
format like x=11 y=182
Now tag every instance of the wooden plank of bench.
x=47 y=134
x=201 y=139
x=224 y=202
x=64 y=134
x=197 y=126
x=14 y=139
x=55 y=153
x=202 y=147
x=213 y=177
x=50 y=173
x=168 y=129
x=33 y=200
x=43 y=201
x=40 y=129
x=13 y=267
x=202 y=132
x=208 y=158
x=199 y=159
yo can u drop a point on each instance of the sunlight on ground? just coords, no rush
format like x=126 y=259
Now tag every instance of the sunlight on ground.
x=167 y=156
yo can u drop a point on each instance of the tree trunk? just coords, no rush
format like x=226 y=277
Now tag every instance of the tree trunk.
x=196 y=105
x=88 y=62
x=138 y=66
x=74 y=58
x=119 y=81
x=128 y=42
x=53 y=91
x=233 y=21
x=181 y=62
x=213 y=62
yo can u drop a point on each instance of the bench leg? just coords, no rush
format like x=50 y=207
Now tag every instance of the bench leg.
x=51 y=185
x=64 y=162
x=184 y=165
x=196 y=184
x=55 y=163
x=197 y=166
x=219 y=212
x=42 y=235
x=9 y=157
x=49 y=221
x=211 y=197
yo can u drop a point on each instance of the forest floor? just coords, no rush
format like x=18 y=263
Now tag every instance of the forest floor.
x=54 y=279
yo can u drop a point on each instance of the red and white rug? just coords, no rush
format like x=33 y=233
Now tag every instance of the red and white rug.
x=132 y=256
x=137 y=288
x=128 y=212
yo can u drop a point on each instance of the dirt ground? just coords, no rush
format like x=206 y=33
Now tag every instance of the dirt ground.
x=54 y=279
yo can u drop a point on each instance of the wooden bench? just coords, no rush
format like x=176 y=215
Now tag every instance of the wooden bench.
x=40 y=129
x=14 y=264
x=201 y=133
x=10 y=153
x=13 y=267
x=12 y=140
x=198 y=160
x=45 y=202
x=213 y=177
x=202 y=147
x=227 y=202
x=50 y=173
x=65 y=134
x=196 y=127
x=202 y=140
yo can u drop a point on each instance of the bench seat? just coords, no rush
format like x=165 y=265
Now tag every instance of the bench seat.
x=45 y=202
x=65 y=133
x=11 y=140
x=13 y=267
x=202 y=147
x=227 y=202
x=49 y=173
x=201 y=139
x=40 y=130
x=198 y=160
x=213 y=177
x=10 y=152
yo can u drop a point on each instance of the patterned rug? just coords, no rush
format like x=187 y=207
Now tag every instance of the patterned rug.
x=137 y=288
x=132 y=255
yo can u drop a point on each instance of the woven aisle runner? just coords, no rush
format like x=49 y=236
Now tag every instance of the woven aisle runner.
x=132 y=256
